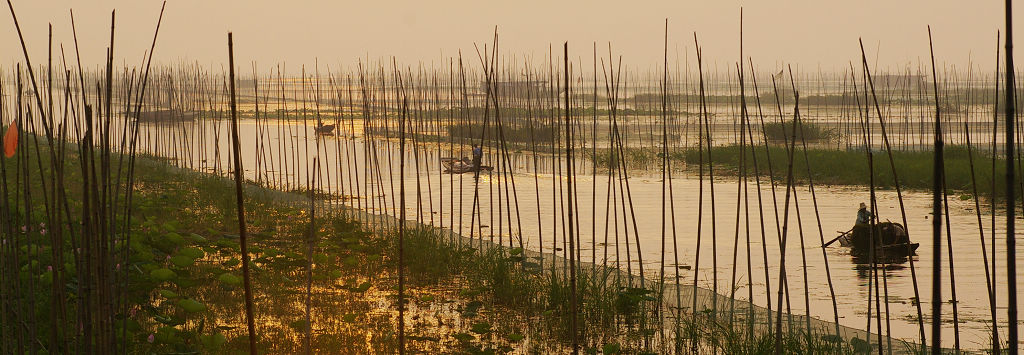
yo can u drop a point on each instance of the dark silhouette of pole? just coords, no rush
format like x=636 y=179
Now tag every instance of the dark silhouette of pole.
x=250 y=323
x=1011 y=197
x=936 y=222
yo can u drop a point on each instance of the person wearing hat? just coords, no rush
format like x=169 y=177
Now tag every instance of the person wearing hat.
x=864 y=216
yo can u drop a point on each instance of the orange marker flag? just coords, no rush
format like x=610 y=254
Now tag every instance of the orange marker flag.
x=11 y=140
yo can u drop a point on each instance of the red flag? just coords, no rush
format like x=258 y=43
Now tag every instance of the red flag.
x=11 y=140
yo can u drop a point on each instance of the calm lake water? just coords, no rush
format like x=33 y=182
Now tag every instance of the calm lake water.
x=446 y=200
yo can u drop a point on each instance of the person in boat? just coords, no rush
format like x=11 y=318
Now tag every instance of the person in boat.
x=478 y=155
x=864 y=216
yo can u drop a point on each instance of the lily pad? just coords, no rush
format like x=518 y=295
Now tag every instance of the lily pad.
x=197 y=238
x=481 y=328
x=229 y=279
x=166 y=334
x=363 y=287
x=191 y=306
x=213 y=341
x=163 y=274
x=463 y=336
x=320 y=258
x=174 y=238
x=194 y=253
x=182 y=261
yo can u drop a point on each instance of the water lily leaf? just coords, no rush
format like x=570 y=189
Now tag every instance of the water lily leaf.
x=213 y=341
x=229 y=279
x=474 y=306
x=611 y=348
x=463 y=336
x=270 y=253
x=469 y=292
x=164 y=320
x=174 y=238
x=192 y=306
x=167 y=335
x=228 y=244
x=169 y=226
x=185 y=283
x=194 y=253
x=481 y=328
x=363 y=287
x=163 y=274
x=182 y=261
x=197 y=238
x=320 y=258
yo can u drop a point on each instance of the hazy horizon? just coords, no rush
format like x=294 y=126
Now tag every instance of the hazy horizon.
x=803 y=33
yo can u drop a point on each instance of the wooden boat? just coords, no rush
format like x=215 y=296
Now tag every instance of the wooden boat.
x=889 y=239
x=325 y=130
x=461 y=166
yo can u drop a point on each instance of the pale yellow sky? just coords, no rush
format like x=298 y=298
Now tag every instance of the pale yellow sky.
x=806 y=33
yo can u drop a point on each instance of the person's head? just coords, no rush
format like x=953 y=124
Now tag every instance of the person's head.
x=863 y=206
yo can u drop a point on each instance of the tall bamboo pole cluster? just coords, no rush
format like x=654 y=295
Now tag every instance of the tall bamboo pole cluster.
x=63 y=287
x=374 y=138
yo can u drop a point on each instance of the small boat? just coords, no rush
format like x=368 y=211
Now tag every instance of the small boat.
x=325 y=130
x=461 y=166
x=889 y=239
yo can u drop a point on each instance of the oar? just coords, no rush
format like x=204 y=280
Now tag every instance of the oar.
x=836 y=238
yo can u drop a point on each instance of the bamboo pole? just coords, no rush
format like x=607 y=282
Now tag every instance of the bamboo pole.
x=242 y=235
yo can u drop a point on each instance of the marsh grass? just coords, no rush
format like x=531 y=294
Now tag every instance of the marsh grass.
x=836 y=167
x=808 y=131
x=832 y=167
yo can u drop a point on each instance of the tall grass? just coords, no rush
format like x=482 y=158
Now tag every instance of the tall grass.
x=807 y=131
x=833 y=167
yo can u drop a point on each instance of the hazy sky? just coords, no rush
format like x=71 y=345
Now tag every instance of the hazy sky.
x=808 y=33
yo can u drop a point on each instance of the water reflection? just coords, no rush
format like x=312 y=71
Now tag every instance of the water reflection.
x=524 y=197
